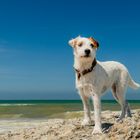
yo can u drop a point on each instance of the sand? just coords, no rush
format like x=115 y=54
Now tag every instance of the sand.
x=70 y=128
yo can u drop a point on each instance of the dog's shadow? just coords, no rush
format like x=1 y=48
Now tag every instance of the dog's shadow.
x=106 y=127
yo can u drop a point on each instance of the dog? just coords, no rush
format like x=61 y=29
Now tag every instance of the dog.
x=94 y=78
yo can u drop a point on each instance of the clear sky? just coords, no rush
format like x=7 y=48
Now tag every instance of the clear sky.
x=35 y=59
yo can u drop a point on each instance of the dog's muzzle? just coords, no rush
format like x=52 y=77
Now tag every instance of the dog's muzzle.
x=87 y=53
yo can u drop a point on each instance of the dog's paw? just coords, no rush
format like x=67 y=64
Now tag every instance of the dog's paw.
x=86 y=122
x=97 y=131
x=119 y=120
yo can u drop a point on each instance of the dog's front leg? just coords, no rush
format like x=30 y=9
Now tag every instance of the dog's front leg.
x=85 y=100
x=97 y=114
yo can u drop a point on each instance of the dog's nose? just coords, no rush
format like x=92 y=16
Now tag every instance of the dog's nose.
x=87 y=51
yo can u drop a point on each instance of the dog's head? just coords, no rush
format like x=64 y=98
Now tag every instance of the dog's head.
x=84 y=47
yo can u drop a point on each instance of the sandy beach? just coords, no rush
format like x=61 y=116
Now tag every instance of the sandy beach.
x=70 y=128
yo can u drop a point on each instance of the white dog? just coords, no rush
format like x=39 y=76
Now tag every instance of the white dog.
x=93 y=78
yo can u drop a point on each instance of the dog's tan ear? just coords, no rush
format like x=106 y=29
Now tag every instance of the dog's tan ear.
x=72 y=42
x=95 y=43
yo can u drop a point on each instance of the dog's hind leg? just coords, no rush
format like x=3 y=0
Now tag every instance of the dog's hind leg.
x=118 y=92
x=128 y=111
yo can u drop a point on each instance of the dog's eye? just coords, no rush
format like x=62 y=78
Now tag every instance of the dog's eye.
x=80 y=44
x=91 y=45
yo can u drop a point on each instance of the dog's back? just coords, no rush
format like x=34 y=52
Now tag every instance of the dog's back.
x=117 y=72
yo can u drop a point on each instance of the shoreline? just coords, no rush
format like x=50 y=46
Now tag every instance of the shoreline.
x=52 y=109
x=69 y=128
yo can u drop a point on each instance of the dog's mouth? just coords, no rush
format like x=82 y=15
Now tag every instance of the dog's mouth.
x=86 y=55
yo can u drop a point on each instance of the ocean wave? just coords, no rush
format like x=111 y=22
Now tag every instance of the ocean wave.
x=16 y=104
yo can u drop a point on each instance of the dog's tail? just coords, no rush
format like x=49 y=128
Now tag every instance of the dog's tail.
x=133 y=84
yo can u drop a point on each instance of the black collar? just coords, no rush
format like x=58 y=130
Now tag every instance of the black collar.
x=84 y=72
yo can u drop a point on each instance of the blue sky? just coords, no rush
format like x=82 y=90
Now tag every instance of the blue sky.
x=35 y=59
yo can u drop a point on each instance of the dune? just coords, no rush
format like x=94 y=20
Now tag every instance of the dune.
x=70 y=128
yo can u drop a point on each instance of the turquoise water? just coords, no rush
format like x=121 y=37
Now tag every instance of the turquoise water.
x=14 y=109
x=55 y=101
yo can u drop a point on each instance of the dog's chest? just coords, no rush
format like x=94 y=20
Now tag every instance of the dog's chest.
x=85 y=80
x=87 y=83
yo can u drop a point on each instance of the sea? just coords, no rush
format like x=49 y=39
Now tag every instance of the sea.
x=46 y=109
